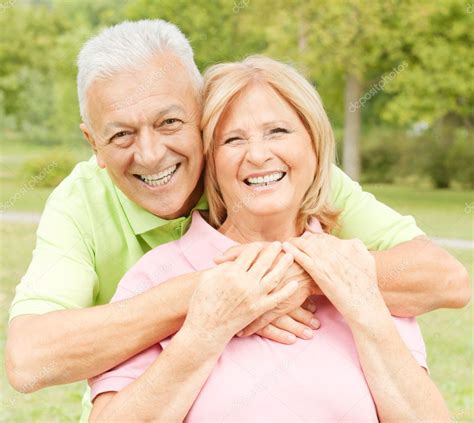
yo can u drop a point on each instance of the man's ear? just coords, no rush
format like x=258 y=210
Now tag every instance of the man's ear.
x=88 y=136
x=90 y=139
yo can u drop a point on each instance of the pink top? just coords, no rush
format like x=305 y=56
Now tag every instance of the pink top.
x=256 y=379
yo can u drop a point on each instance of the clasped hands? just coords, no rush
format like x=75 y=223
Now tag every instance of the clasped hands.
x=266 y=288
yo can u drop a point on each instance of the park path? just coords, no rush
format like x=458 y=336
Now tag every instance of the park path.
x=28 y=217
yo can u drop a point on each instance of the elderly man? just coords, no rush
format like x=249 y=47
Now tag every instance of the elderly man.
x=140 y=101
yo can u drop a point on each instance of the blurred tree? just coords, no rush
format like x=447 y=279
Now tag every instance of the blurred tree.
x=393 y=58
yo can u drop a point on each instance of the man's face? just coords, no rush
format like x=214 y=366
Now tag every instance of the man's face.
x=144 y=128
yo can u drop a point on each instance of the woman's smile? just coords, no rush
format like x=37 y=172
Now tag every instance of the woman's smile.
x=265 y=181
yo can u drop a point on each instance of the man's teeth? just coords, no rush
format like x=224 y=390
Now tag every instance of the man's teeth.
x=161 y=178
x=265 y=180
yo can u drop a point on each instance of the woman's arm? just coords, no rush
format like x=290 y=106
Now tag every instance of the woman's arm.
x=346 y=273
x=219 y=308
x=167 y=390
x=401 y=388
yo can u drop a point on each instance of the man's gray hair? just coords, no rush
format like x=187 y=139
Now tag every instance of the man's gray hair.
x=127 y=46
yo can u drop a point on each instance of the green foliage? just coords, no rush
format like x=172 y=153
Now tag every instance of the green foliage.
x=49 y=169
x=460 y=158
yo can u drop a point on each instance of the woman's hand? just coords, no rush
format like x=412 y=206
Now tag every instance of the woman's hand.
x=291 y=318
x=222 y=306
x=344 y=270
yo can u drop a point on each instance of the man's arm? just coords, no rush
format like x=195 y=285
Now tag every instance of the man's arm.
x=417 y=276
x=78 y=344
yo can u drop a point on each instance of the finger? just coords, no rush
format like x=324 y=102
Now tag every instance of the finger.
x=248 y=255
x=264 y=320
x=305 y=317
x=275 y=275
x=305 y=261
x=277 y=335
x=291 y=325
x=275 y=298
x=231 y=254
x=265 y=260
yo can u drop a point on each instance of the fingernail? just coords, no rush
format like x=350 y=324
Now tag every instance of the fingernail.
x=308 y=333
x=291 y=338
x=315 y=323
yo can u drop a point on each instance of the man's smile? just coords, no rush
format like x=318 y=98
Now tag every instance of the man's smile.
x=161 y=178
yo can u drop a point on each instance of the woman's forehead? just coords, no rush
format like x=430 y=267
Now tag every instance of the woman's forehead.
x=257 y=104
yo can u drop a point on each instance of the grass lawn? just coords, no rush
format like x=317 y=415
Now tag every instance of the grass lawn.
x=440 y=213
x=15 y=193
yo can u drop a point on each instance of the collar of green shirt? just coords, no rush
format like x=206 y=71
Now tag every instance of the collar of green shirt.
x=142 y=220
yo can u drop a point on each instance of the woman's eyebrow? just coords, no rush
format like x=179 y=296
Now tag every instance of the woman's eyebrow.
x=274 y=123
x=232 y=132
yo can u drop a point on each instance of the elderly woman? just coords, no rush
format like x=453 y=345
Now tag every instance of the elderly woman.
x=269 y=148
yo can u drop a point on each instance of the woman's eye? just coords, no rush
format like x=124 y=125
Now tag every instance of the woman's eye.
x=279 y=131
x=233 y=141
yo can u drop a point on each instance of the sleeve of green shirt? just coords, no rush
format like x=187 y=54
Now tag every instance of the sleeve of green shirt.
x=61 y=274
x=378 y=226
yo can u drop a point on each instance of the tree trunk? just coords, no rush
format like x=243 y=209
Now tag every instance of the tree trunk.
x=352 y=117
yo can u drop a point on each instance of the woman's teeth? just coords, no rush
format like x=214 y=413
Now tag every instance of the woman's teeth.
x=161 y=178
x=265 y=180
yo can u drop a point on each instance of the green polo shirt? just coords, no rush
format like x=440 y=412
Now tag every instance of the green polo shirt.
x=90 y=234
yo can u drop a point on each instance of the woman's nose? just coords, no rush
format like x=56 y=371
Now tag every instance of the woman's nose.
x=258 y=152
x=149 y=150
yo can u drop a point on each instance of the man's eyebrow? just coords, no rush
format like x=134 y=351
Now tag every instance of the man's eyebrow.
x=163 y=112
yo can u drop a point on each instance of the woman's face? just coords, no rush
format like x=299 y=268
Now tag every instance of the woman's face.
x=264 y=158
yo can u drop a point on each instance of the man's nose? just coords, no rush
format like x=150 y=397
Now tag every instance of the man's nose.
x=258 y=152
x=149 y=150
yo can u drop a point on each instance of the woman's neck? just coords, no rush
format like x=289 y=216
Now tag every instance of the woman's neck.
x=244 y=229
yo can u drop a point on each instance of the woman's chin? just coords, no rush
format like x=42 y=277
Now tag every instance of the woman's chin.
x=267 y=210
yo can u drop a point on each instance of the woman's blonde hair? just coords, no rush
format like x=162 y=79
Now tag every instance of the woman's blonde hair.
x=223 y=82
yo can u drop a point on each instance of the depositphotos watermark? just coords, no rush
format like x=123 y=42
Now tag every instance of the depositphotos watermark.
x=379 y=86
x=7 y=4
x=27 y=187
x=242 y=4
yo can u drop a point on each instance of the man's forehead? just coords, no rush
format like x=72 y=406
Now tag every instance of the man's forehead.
x=153 y=87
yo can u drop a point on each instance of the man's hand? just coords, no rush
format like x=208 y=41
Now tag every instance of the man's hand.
x=290 y=319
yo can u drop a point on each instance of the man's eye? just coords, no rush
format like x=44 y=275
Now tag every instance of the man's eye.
x=120 y=134
x=171 y=122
